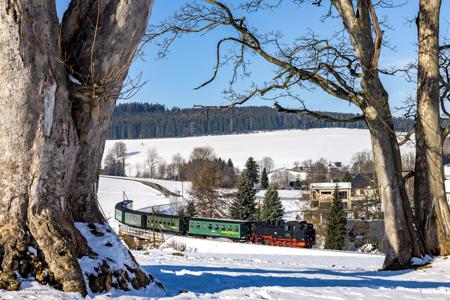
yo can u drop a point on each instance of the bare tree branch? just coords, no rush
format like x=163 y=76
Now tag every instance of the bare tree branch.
x=406 y=138
x=318 y=115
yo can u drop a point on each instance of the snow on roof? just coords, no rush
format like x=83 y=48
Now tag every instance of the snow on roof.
x=291 y=194
x=330 y=185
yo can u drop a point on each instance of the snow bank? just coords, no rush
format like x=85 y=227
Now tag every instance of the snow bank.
x=109 y=248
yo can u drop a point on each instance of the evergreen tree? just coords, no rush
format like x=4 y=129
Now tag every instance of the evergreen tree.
x=272 y=210
x=243 y=206
x=264 y=179
x=190 y=210
x=251 y=168
x=297 y=184
x=347 y=177
x=336 y=221
x=230 y=163
x=144 y=120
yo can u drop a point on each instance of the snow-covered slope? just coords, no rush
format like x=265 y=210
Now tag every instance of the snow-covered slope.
x=285 y=147
x=111 y=191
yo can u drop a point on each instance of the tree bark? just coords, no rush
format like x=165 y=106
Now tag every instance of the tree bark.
x=37 y=150
x=430 y=204
x=100 y=53
x=47 y=120
x=402 y=241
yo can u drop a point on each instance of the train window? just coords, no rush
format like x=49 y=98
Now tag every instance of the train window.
x=216 y=227
x=198 y=225
x=286 y=227
x=230 y=228
x=172 y=224
x=210 y=226
x=191 y=225
x=236 y=228
x=223 y=227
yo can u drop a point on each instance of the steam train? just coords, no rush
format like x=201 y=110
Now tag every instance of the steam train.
x=287 y=234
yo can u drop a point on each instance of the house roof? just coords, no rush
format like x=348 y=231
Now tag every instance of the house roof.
x=360 y=181
x=291 y=194
x=330 y=185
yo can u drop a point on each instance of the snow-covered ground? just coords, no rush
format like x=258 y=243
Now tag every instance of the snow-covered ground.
x=111 y=191
x=178 y=187
x=291 y=200
x=285 y=146
x=211 y=269
x=220 y=269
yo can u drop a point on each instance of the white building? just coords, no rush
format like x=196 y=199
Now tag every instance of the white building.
x=323 y=192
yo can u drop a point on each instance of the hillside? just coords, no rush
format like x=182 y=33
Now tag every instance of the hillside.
x=285 y=146
x=144 y=120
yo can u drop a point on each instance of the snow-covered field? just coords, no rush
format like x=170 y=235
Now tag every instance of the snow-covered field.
x=285 y=146
x=111 y=191
x=220 y=269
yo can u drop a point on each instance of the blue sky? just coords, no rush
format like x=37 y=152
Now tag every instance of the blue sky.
x=170 y=81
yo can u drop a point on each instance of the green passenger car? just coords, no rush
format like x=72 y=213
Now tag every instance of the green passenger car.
x=164 y=222
x=120 y=215
x=135 y=218
x=235 y=229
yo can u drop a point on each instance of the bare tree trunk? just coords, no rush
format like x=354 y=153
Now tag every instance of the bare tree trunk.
x=401 y=239
x=45 y=127
x=100 y=53
x=430 y=204
x=37 y=150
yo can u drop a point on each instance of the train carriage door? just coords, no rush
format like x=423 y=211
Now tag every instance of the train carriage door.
x=288 y=231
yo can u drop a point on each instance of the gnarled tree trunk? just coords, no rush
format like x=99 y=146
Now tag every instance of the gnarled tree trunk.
x=43 y=133
x=37 y=150
x=99 y=56
x=430 y=204
x=401 y=239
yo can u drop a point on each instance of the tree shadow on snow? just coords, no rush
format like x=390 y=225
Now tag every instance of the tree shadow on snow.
x=212 y=280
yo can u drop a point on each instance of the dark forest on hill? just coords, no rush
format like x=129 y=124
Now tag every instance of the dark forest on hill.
x=144 y=120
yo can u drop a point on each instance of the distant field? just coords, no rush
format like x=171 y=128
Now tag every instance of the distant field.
x=285 y=147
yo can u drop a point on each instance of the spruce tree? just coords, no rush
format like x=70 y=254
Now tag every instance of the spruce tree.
x=347 y=177
x=230 y=163
x=243 y=206
x=264 y=179
x=272 y=209
x=336 y=221
x=190 y=210
x=251 y=168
